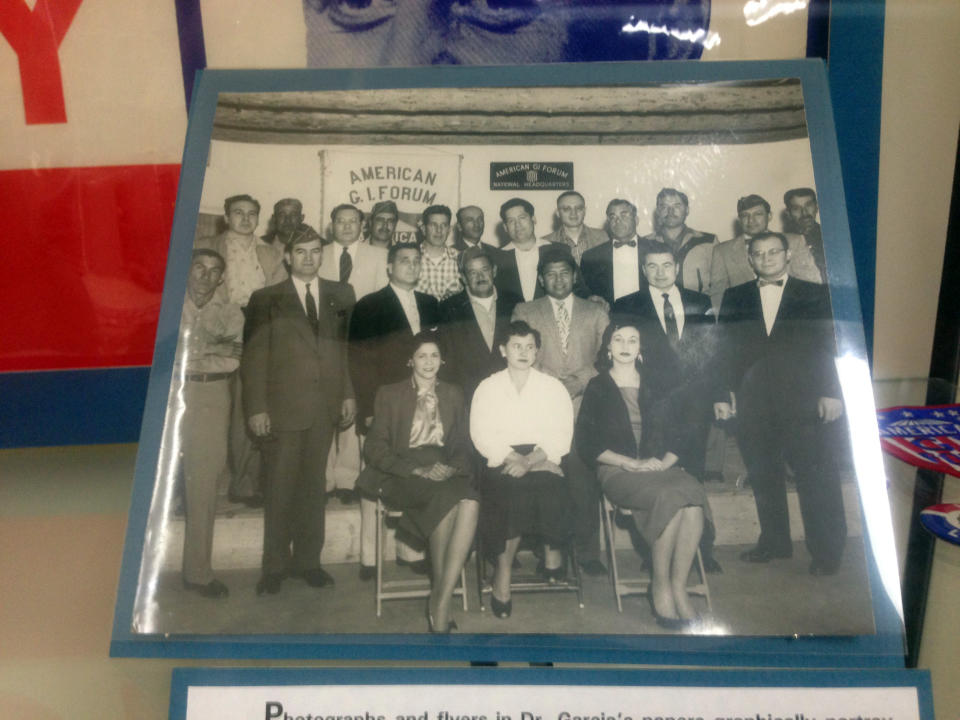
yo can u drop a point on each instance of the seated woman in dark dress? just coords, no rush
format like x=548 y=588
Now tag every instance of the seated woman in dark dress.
x=521 y=422
x=419 y=458
x=636 y=445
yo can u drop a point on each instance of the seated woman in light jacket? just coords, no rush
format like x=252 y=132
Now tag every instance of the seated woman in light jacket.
x=636 y=442
x=419 y=458
x=521 y=422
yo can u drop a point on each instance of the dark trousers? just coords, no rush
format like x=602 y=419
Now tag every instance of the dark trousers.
x=772 y=434
x=295 y=497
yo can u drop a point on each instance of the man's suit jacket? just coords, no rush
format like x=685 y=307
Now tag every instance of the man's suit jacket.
x=288 y=371
x=687 y=361
x=508 y=275
x=729 y=266
x=587 y=323
x=379 y=347
x=589 y=239
x=794 y=365
x=467 y=359
x=596 y=266
x=270 y=257
x=369 y=271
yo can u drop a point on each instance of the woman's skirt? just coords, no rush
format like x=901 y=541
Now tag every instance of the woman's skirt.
x=657 y=495
x=536 y=504
x=424 y=502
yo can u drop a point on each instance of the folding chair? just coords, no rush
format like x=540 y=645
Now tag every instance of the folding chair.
x=521 y=583
x=401 y=589
x=639 y=585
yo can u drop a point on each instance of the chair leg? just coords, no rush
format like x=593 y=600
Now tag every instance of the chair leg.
x=379 y=551
x=577 y=576
x=478 y=552
x=608 y=519
x=703 y=581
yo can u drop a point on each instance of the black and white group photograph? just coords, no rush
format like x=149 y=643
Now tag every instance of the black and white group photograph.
x=525 y=360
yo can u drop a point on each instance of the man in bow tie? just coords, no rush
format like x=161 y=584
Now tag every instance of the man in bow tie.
x=612 y=270
x=296 y=392
x=778 y=376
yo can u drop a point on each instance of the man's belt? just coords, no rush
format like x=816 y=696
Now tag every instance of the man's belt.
x=207 y=377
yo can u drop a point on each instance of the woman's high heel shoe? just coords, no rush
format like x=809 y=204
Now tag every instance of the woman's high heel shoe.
x=452 y=625
x=501 y=610
x=667 y=623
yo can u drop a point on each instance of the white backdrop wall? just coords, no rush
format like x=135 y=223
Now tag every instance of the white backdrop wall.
x=713 y=176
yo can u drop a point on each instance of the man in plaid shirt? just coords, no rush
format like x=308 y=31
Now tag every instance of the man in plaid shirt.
x=440 y=270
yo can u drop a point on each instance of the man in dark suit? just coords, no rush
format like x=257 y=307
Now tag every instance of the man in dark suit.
x=471 y=322
x=679 y=349
x=612 y=270
x=518 y=260
x=779 y=377
x=296 y=392
x=381 y=327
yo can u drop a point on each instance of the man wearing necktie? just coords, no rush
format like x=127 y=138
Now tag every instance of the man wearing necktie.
x=571 y=331
x=296 y=392
x=350 y=259
x=779 y=377
x=678 y=346
x=612 y=270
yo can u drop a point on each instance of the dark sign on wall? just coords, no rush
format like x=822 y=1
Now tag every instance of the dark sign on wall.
x=531 y=176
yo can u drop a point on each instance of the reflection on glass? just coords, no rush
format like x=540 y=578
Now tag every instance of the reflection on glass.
x=759 y=11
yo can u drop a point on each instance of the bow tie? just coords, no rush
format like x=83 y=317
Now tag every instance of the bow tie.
x=762 y=283
x=621 y=243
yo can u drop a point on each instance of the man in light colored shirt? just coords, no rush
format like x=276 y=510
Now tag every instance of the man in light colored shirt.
x=571 y=212
x=439 y=272
x=211 y=331
x=779 y=377
x=729 y=264
x=251 y=264
x=571 y=331
x=670 y=227
x=350 y=259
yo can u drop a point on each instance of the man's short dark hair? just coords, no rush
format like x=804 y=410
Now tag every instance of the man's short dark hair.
x=515 y=202
x=239 y=198
x=798 y=192
x=569 y=193
x=303 y=234
x=673 y=191
x=394 y=249
x=467 y=207
x=287 y=201
x=518 y=328
x=556 y=254
x=766 y=236
x=473 y=253
x=207 y=252
x=436 y=210
x=660 y=248
x=751 y=201
x=345 y=206
x=620 y=201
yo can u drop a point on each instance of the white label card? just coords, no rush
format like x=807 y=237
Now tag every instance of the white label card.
x=549 y=702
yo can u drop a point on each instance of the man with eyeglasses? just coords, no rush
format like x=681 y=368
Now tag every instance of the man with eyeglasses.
x=777 y=375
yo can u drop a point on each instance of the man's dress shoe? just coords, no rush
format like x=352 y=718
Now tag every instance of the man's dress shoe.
x=762 y=555
x=314 y=577
x=269 y=584
x=212 y=589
